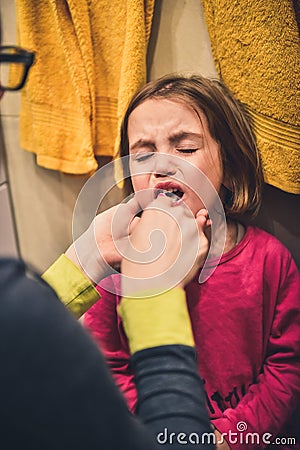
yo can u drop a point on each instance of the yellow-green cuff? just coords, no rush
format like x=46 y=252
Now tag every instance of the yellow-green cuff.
x=72 y=287
x=162 y=319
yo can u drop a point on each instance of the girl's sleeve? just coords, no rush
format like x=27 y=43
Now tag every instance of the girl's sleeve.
x=272 y=401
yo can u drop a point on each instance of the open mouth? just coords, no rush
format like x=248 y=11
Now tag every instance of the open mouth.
x=173 y=192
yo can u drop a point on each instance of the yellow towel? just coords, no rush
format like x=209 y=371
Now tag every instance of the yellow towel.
x=90 y=59
x=256 y=48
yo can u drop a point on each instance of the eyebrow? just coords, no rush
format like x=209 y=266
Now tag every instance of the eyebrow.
x=173 y=139
x=181 y=135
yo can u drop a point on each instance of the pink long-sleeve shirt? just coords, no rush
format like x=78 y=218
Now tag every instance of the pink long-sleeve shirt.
x=246 y=325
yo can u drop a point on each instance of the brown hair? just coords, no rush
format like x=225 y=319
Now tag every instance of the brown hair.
x=228 y=124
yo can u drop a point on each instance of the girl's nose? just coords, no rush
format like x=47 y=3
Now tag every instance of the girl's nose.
x=164 y=165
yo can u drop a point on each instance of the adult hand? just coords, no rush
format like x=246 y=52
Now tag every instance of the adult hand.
x=96 y=251
x=167 y=247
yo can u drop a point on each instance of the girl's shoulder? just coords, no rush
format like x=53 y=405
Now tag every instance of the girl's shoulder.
x=257 y=236
x=261 y=259
x=258 y=246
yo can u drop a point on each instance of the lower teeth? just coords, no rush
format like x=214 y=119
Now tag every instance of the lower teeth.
x=170 y=194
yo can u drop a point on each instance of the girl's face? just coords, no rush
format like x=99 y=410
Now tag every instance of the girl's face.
x=172 y=128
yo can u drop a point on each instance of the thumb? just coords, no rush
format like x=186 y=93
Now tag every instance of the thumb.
x=124 y=214
x=132 y=207
x=133 y=224
x=203 y=220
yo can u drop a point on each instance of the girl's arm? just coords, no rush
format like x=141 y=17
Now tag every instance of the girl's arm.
x=271 y=402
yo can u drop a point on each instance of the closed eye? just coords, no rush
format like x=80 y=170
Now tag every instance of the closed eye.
x=143 y=156
x=187 y=150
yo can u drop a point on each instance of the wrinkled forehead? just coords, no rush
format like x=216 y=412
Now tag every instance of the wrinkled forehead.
x=149 y=109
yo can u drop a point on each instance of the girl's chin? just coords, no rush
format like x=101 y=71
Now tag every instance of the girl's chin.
x=192 y=204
